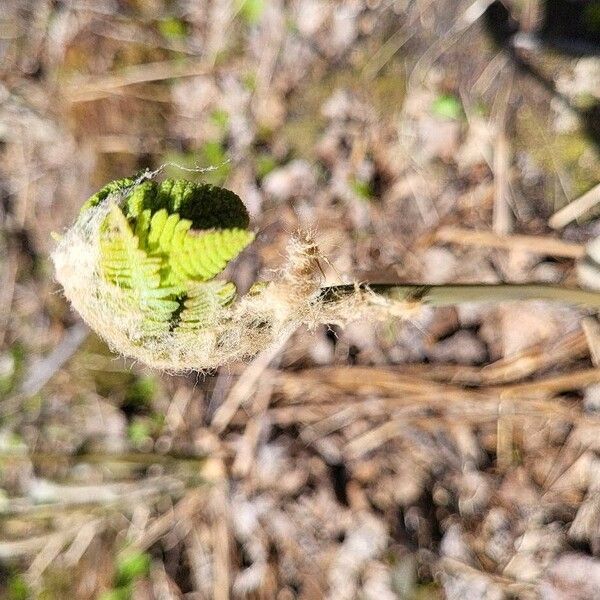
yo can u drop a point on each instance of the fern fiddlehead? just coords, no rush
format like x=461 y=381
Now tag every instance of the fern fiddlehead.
x=141 y=265
x=153 y=251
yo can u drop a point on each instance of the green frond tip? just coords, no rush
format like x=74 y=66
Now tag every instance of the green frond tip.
x=206 y=206
x=163 y=244
x=114 y=187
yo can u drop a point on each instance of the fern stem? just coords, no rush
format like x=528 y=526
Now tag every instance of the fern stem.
x=450 y=294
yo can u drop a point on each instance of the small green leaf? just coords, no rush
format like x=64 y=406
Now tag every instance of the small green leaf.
x=251 y=10
x=119 y=185
x=447 y=106
x=363 y=189
x=141 y=392
x=265 y=163
x=18 y=588
x=139 y=431
x=131 y=566
x=206 y=206
x=130 y=268
x=173 y=28
x=220 y=118
x=142 y=197
x=122 y=593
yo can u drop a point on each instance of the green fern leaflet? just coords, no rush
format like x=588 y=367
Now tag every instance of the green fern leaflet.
x=163 y=244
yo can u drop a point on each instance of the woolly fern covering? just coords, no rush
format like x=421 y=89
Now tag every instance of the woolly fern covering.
x=143 y=265
x=163 y=245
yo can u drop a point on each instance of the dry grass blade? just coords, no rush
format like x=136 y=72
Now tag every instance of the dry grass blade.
x=530 y=243
x=246 y=454
x=220 y=534
x=246 y=384
x=7 y=287
x=43 y=370
x=392 y=45
x=94 y=88
x=183 y=511
x=510 y=369
x=56 y=499
x=198 y=553
x=14 y=550
x=591 y=328
x=545 y=388
x=575 y=209
x=418 y=414
x=378 y=381
x=503 y=218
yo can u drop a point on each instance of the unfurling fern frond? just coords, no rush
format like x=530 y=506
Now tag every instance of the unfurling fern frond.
x=162 y=263
x=141 y=266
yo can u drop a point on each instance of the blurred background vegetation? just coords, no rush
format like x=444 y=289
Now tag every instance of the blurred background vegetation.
x=450 y=455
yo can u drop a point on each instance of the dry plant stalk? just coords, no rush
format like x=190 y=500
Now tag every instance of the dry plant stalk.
x=140 y=266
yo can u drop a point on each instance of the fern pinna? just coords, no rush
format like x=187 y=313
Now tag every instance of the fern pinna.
x=163 y=245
